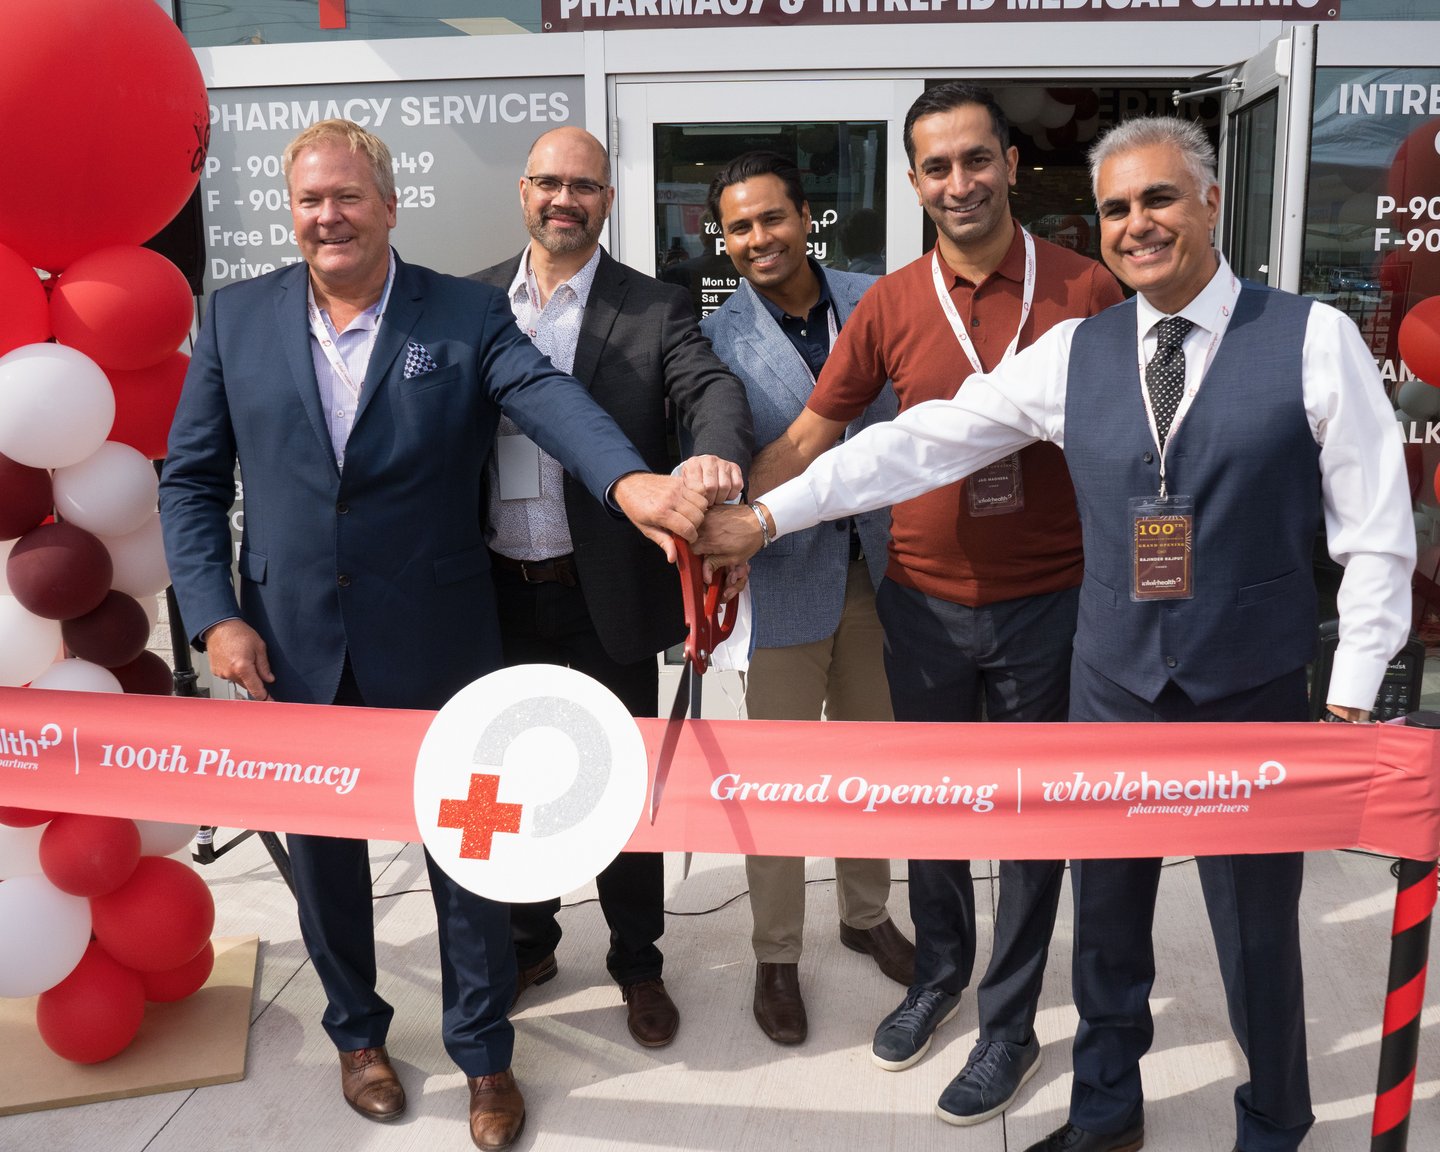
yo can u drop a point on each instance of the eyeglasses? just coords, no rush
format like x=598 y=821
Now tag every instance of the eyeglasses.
x=584 y=189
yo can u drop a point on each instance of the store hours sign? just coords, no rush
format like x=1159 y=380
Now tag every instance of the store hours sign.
x=459 y=147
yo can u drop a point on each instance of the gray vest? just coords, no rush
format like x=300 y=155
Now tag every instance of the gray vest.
x=1246 y=455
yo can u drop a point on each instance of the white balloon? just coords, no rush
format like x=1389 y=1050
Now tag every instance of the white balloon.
x=151 y=604
x=20 y=850
x=75 y=675
x=157 y=838
x=111 y=492
x=1053 y=113
x=5 y=546
x=28 y=643
x=56 y=405
x=43 y=934
x=1021 y=105
x=1420 y=399
x=139 y=559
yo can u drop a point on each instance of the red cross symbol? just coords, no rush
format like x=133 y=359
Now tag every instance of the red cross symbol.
x=480 y=815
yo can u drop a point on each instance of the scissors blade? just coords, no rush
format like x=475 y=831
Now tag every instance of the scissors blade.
x=671 y=738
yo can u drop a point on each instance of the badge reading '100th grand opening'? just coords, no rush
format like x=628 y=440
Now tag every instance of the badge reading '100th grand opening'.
x=528 y=782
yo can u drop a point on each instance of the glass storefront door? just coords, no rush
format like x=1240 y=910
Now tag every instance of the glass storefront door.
x=674 y=138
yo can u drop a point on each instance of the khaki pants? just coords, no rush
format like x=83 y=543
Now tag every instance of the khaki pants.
x=843 y=678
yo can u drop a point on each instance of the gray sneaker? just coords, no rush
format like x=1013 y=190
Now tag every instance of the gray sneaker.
x=904 y=1035
x=989 y=1082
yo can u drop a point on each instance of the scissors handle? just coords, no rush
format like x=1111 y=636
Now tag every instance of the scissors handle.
x=708 y=620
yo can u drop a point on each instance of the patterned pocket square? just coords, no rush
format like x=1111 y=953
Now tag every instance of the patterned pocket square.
x=418 y=361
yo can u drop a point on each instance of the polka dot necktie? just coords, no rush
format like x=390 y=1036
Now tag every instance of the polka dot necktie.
x=1165 y=374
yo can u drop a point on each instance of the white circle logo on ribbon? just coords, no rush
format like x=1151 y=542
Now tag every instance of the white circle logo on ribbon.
x=529 y=781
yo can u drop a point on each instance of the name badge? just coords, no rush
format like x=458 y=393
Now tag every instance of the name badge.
x=1162 y=548
x=518 y=458
x=997 y=488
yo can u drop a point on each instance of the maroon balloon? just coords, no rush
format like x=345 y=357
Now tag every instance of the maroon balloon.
x=59 y=571
x=25 y=498
x=146 y=675
x=111 y=635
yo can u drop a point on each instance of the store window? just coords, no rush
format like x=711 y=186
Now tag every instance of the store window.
x=842 y=165
x=210 y=25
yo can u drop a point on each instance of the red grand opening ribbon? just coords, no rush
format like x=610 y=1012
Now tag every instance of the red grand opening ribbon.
x=930 y=791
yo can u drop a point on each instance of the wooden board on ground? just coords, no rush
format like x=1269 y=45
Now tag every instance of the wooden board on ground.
x=196 y=1041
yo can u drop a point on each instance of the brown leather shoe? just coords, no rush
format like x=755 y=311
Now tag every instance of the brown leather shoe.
x=894 y=954
x=779 y=1009
x=650 y=1014
x=370 y=1084
x=497 y=1110
x=540 y=972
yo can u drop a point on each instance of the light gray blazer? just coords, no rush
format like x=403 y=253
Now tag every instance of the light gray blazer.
x=798 y=583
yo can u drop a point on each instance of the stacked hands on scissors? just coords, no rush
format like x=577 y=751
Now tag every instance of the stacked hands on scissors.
x=664 y=507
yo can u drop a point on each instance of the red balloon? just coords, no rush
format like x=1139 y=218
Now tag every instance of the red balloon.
x=114 y=633
x=1420 y=340
x=89 y=855
x=24 y=817
x=103 y=106
x=25 y=496
x=124 y=307
x=146 y=675
x=157 y=919
x=59 y=571
x=25 y=318
x=145 y=403
x=177 y=983
x=93 y=1013
x=1063 y=136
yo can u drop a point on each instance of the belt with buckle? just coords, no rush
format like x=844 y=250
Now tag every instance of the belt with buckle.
x=556 y=570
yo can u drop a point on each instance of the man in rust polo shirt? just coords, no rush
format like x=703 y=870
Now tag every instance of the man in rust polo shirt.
x=979 y=599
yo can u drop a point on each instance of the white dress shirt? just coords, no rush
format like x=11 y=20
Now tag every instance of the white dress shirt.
x=536 y=528
x=1365 y=493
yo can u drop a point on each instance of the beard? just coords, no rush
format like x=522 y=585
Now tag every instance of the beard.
x=566 y=240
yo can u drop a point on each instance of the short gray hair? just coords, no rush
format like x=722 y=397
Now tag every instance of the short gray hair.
x=1185 y=136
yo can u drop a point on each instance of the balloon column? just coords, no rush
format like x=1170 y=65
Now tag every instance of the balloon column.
x=101 y=155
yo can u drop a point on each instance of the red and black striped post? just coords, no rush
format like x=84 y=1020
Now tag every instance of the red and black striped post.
x=1404 y=998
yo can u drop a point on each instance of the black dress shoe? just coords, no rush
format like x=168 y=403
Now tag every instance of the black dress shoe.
x=779 y=1009
x=538 y=973
x=1072 y=1139
x=894 y=954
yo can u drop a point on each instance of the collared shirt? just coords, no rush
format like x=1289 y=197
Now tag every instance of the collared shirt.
x=1362 y=473
x=536 y=528
x=354 y=345
x=810 y=334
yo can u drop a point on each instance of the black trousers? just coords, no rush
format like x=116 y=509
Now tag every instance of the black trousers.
x=1010 y=661
x=337 y=922
x=1253 y=905
x=550 y=624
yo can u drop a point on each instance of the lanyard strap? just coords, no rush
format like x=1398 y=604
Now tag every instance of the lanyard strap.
x=834 y=331
x=327 y=345
x=1027 y=298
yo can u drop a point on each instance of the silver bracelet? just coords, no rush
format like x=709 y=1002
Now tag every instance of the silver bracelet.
x=764 y=525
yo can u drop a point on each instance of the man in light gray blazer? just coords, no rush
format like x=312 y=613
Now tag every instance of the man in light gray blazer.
x=818 y=640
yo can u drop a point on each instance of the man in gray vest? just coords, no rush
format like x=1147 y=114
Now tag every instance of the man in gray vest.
x=1239 y=416
x=818 y=644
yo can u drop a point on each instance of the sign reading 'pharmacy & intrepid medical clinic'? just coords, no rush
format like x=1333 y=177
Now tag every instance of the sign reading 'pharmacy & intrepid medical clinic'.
x=580 y=15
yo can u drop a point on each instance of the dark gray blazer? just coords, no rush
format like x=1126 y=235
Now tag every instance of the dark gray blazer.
x=640 y=349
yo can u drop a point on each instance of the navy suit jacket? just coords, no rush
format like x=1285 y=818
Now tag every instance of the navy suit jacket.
x=387 y=561
x=799 y=581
